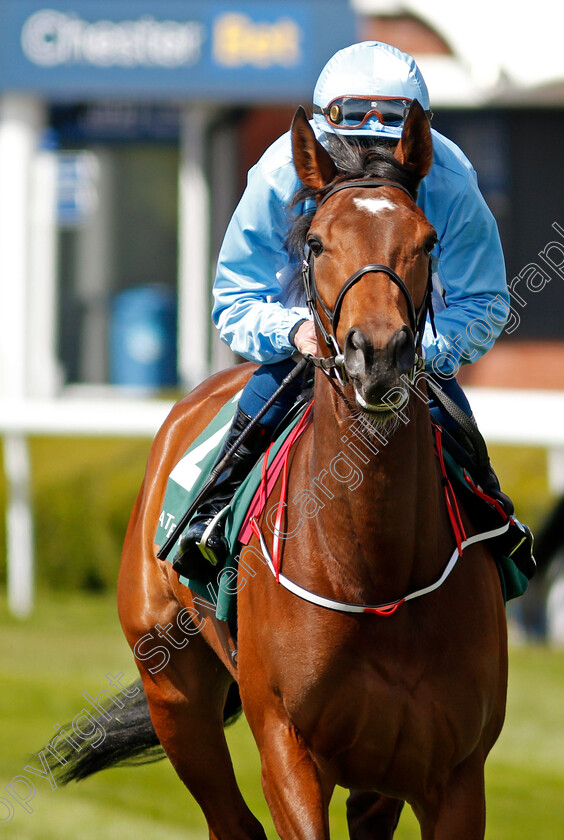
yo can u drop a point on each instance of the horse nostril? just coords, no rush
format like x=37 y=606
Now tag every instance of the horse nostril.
x=358 y=354
x=402 y=349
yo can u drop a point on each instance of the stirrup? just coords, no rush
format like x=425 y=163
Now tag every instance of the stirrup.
x=522 y=551
x=205 y=549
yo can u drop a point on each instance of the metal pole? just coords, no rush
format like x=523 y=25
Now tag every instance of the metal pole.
x=21 y=119
x=19 y=526
x=193 y=247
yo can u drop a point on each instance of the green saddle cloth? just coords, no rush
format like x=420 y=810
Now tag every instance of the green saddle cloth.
x=185 y=482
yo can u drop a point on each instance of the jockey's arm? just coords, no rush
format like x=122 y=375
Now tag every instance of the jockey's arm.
x=471 y=271
x=253 y=305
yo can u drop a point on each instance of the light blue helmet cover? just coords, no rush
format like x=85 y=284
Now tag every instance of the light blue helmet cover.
x=369 y=68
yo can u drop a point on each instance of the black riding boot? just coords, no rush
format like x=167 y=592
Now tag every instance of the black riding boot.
x=199 y=552
x=464 y=450
x=489 y=482
x=518 y=542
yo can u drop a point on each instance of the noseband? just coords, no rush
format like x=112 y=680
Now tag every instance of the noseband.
x=335 y=364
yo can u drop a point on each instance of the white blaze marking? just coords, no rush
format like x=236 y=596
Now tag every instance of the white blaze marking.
x=374 y=205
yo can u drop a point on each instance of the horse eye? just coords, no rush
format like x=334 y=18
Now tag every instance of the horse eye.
x=430 y=244
x=315 y=246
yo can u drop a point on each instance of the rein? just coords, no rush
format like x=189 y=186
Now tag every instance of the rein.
x=335 y=364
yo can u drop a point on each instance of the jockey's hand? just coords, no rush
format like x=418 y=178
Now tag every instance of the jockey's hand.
x=305 y=339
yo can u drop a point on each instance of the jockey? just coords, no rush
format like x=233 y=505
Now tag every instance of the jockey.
x=362 y=94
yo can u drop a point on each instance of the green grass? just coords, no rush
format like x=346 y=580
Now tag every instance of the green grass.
x=72 y=641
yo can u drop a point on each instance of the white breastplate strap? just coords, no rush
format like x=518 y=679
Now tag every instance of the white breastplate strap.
x=378 y=609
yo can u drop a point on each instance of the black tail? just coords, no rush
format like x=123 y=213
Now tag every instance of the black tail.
x=117 y=737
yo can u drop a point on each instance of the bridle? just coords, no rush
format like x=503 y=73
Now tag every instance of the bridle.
x=335 y=365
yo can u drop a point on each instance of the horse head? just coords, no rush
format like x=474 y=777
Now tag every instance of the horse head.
x=367 y=266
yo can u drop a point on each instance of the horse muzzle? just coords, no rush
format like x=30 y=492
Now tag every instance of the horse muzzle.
x=379 y=375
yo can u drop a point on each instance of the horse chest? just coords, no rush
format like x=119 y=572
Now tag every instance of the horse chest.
x=366 y=732
x=361 y=701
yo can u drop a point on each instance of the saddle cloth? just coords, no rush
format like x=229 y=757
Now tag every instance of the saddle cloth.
x=191 y=472
x=188 y=477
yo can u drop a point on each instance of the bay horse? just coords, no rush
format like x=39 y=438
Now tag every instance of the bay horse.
x=397 y=702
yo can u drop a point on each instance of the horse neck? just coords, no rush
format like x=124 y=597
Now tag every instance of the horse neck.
x=381 y=492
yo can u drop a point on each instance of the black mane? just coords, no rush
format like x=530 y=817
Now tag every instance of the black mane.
x=354 y=162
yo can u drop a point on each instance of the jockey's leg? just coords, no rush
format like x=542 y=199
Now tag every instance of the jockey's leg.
x=189 y=559
x=487 y=478
x=519 y=537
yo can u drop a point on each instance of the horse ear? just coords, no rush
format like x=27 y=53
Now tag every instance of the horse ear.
x=415 y=149
x=314 y=164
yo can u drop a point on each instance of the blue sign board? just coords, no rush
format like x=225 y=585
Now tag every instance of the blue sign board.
x=170 y=49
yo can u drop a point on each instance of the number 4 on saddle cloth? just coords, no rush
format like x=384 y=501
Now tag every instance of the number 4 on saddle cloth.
x=511 y=550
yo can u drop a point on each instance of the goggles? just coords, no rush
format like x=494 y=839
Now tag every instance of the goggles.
x=354 y=111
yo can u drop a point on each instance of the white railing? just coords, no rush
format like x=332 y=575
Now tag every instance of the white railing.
x=73 y=416
x=505 y=416
x=509 y=417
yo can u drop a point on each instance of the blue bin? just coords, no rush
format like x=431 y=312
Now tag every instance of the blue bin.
x=143 y=338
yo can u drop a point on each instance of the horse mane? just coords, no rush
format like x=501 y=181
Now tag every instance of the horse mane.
x=362 y=159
